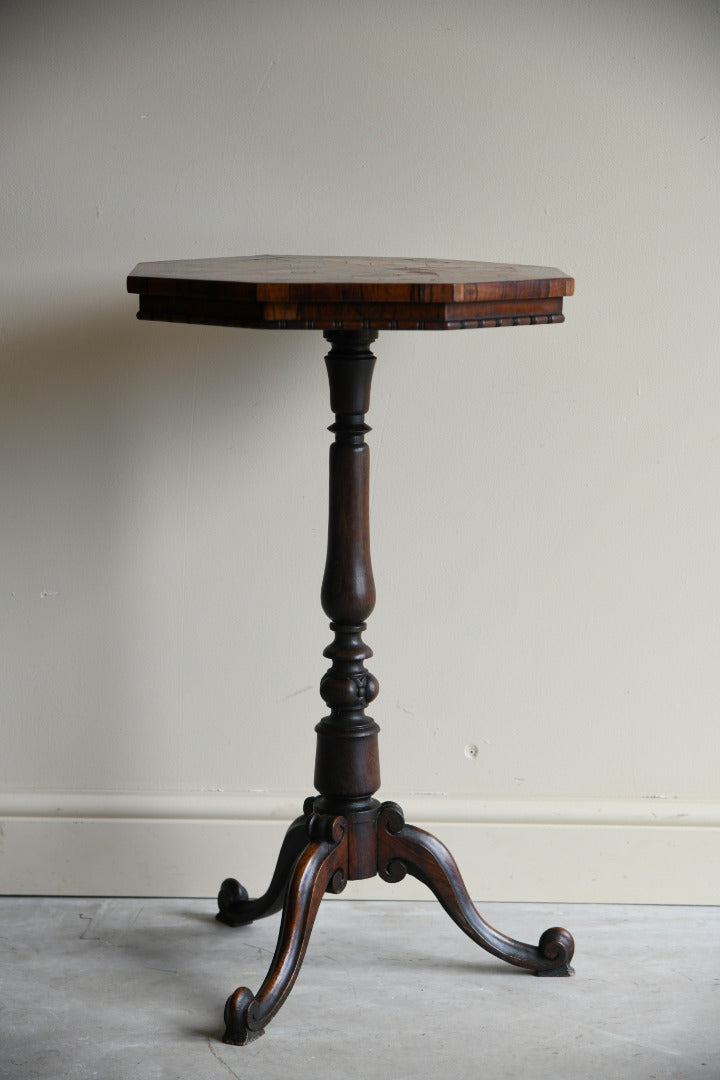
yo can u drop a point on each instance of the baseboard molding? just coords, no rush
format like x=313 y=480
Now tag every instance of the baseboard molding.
x=657 y=850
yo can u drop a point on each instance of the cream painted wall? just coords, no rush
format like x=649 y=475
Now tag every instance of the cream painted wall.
x=545 y=501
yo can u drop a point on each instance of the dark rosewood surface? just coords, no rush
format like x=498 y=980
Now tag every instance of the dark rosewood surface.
x=330 y=292
x=344 y=833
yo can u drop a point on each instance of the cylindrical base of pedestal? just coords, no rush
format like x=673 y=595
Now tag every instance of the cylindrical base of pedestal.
x=347 y=762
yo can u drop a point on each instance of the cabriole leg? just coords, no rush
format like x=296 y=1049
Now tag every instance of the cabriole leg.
x=403 y=849
x=235 y=909
x=322 y=867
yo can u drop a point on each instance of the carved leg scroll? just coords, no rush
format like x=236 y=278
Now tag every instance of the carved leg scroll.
x=404 y=849
x=320 y=868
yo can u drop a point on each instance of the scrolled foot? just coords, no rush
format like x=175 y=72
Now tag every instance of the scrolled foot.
x=231 y=895
x=238 y=1019
x=556 y=946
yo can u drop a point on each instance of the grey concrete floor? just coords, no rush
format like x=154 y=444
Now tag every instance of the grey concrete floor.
x=121 y=989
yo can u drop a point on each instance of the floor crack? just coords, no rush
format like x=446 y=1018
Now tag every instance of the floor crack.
x=218 y=1058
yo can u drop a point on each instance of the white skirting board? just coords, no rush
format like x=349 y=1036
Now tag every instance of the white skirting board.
x=645 y=851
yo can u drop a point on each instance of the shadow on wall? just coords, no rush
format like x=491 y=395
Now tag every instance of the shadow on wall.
x=124 y=445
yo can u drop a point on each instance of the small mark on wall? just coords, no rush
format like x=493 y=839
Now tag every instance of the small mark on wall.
x=471 y=751
x=302 y=690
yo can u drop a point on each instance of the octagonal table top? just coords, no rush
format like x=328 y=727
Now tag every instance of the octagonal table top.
x=336 y=292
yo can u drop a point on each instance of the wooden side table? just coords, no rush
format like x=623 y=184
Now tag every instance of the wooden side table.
x=344 y=834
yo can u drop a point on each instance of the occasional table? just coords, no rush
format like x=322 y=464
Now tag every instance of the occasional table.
x=343 y=833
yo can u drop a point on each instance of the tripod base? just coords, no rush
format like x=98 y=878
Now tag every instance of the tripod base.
x=320 y=853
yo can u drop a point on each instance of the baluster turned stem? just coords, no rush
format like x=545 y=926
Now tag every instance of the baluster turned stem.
x=347 y=770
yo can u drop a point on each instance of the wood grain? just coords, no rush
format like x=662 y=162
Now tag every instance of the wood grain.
x=331 y=292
